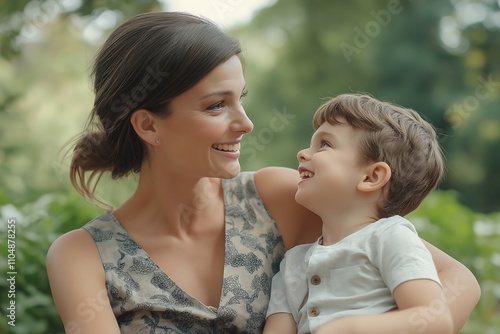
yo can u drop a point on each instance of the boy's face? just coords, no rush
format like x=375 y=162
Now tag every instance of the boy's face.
x=330 y=169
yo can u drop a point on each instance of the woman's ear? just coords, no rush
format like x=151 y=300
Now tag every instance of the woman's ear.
x=377 y=175
x=143 y=123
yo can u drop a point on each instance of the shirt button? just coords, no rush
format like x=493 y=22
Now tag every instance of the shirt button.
x=315 y=280
x=314 y=311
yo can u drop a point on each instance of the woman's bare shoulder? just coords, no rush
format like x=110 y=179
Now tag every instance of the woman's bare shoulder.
x=78 y=284
x=71 y=243
x=72 y=252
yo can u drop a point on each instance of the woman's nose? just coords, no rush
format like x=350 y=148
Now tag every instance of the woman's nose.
x=242 y=123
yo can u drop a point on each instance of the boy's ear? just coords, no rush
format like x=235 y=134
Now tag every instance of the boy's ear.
x=143 y=123
x=377 y=175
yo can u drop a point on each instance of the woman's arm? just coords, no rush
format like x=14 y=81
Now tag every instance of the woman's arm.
x=461 y=290
x=78 y=286
x=277 y=187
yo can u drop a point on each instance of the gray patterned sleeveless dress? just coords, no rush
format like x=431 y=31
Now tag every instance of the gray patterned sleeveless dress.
x=145 y=300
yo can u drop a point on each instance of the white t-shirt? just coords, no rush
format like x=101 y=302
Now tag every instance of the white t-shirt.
x=354 y=276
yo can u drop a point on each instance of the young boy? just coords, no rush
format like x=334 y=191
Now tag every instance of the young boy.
x=369 y=163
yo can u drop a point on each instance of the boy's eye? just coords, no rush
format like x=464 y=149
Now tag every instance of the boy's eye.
x=325 y=144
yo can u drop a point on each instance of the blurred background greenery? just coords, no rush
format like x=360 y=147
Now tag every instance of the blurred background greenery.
x=441 y=58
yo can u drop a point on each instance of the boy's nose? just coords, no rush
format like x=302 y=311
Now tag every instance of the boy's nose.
x=302 y=155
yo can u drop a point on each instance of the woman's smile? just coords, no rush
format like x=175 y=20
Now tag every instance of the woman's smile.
x=228 y=150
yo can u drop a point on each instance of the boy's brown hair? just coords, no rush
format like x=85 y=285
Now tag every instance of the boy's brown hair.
x=397 y=136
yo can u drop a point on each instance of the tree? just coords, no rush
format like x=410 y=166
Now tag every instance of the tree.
x=23 y=21
x=410 y=53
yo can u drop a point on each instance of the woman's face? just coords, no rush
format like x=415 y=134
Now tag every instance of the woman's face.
x=202 y=134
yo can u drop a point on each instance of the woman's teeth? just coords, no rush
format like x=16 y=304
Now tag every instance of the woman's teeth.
x=229 y=148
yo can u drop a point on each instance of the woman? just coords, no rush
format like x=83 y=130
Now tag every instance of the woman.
x=194 y=249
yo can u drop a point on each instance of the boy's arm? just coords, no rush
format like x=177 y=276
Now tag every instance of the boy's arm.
x=280 y=323
x=460 y=288
x=422 y=310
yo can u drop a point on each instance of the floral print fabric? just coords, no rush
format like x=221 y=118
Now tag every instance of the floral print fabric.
x=145 y=300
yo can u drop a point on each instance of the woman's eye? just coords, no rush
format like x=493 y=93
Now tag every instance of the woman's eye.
x=217 y=106
x=243 y=94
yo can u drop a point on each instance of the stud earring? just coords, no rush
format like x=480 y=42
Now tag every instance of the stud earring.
x=157 y=141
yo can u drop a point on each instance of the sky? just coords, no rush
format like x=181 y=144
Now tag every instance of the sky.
x=226 y=13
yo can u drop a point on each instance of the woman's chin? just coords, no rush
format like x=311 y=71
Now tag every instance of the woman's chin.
x=229 y=172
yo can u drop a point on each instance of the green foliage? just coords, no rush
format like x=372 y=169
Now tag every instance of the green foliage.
x=38 y=224
x=22 y=20
x=473 y=239
x=473 y=167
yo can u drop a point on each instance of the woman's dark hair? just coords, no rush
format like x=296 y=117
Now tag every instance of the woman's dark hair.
x=144 y=64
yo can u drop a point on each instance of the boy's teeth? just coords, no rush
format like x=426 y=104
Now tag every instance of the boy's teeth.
x=225 y=147
x=304 y=175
